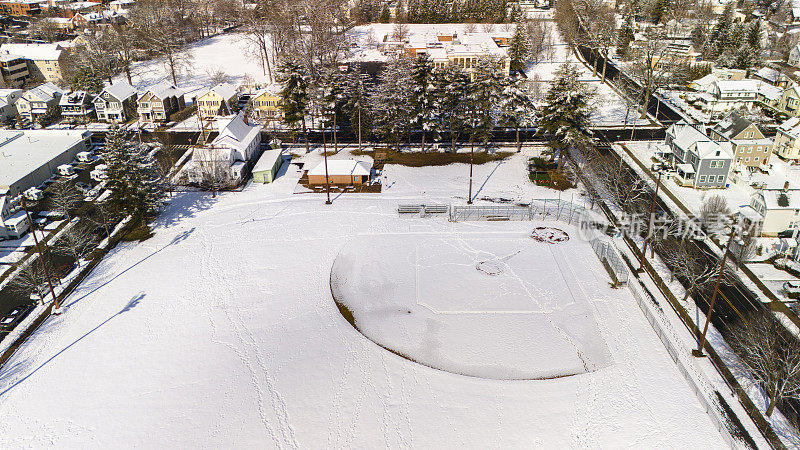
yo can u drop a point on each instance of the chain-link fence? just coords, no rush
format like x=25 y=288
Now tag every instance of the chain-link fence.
x=609 y=254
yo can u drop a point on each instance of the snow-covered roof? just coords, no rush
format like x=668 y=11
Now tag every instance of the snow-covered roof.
x=235 y=133
x=273 y=89
x=737 y=86
x=120 y=90
x=73 y=98
x=268 y=160
x=768 y=73
x=347 y=167
x=164 y=89
x=45 y=92
x=791 y=127
x=773 y=199
x=225 y=90
x=36 y=52
x=22 y=151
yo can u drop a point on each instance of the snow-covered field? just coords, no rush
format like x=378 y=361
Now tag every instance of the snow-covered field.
x=220 y=331
x=459 y=301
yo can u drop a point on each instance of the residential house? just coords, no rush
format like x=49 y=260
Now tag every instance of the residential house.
x=45 y=61
x=779 y=208
x=81 y=7
x=14 y=69
x=8 y=100
x=159 y=102
x=117 y=103
x=773 y=77
x=790 y=101
x=77 y=106
x=730 y=94
x=794 y=56
x=20 y=8
x=787 y=139
x=39 y=101
x=700 y=161
x=266 y=103
x=119 y=6
x=750 y=148
x=217 y=101
x=238 y=141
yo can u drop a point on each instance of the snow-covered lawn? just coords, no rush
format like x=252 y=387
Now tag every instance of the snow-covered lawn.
x=221 y=331
x=229 y=53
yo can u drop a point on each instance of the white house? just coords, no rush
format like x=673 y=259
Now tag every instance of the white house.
x=779 y=208
x=794 y=56
x=238 y=141
x=8 y=100
x=117 y=103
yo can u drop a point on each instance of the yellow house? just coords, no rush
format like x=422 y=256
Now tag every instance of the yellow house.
x=266 y=103
x=217 y=101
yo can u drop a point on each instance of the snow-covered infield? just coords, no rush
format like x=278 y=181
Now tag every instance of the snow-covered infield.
x=221 y=331
x=500 y=306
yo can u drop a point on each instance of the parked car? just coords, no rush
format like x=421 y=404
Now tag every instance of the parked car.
x=33 y=194
x=792 y=289
x=14 y=317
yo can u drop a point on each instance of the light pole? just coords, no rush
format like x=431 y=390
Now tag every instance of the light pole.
x=56 y=306
x=325 y=157
x=649 y=223
x=698 y=352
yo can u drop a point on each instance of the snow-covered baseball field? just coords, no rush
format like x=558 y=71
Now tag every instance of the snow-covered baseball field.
x=221 y=331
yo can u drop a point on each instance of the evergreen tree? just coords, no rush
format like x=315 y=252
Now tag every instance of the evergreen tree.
x=567 y=110
x=333 y=100
x=516 y=105
x=294 y=96
x=85 y=79
x=519 y=49
x=451 y=85
x=423 y=96
x=482 y=96
x=136 y=185
x=385 y=16
x=625 y=37
x=355 y=108
x=390 y=101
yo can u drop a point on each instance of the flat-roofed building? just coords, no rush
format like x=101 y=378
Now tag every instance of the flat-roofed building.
x=29 y=157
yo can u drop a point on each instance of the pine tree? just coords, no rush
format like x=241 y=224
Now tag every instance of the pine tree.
x=519 y=49
x=390 y=101
x=451 y=85
x=567 y=110
x=516 y=105
x=355 y=106
x=333 y=100
x=385 y=16
x=482 y=96
x=423 y=98
x=294 y=96
x=136 y=184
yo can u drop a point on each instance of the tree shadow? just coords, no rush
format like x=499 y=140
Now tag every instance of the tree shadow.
x=134 y=301
x=184 y=205
x=180 y=237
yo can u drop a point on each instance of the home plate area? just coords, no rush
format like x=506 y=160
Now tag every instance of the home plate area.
x=490 y=305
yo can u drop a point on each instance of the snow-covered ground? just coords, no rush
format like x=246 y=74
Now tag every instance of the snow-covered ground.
x=221 y=331
x=229 y=53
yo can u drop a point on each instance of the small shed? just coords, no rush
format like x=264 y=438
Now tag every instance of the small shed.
x=267 y=166
x=341 y=172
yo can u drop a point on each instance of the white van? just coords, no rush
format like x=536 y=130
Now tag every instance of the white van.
x=99 y=173
x=33 y=194
x=65 y=170
x=85 y=157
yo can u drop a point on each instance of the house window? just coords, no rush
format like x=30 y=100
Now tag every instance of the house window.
x=747 y=159
x=749 y=149
x=755 y=159
x=720 y=178
x=741 y=149
x=702 y=178
x=144 y=105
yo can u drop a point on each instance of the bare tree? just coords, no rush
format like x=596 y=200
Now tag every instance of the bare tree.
x=64 y=197
x=770 y=354
x=745 y=248
x=212 y=171
x=76 y=242
x=257 y=29
x=46 y=29
x=689 y=265
x=651 y=66
x=30 y=279
x=217 y=75
x=714 y=214
x=161 y=26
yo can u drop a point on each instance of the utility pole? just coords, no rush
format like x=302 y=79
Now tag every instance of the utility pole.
x=56 y=306
x=325 y=156
x=471 y=158
x=649 y=223
x=699 y=351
